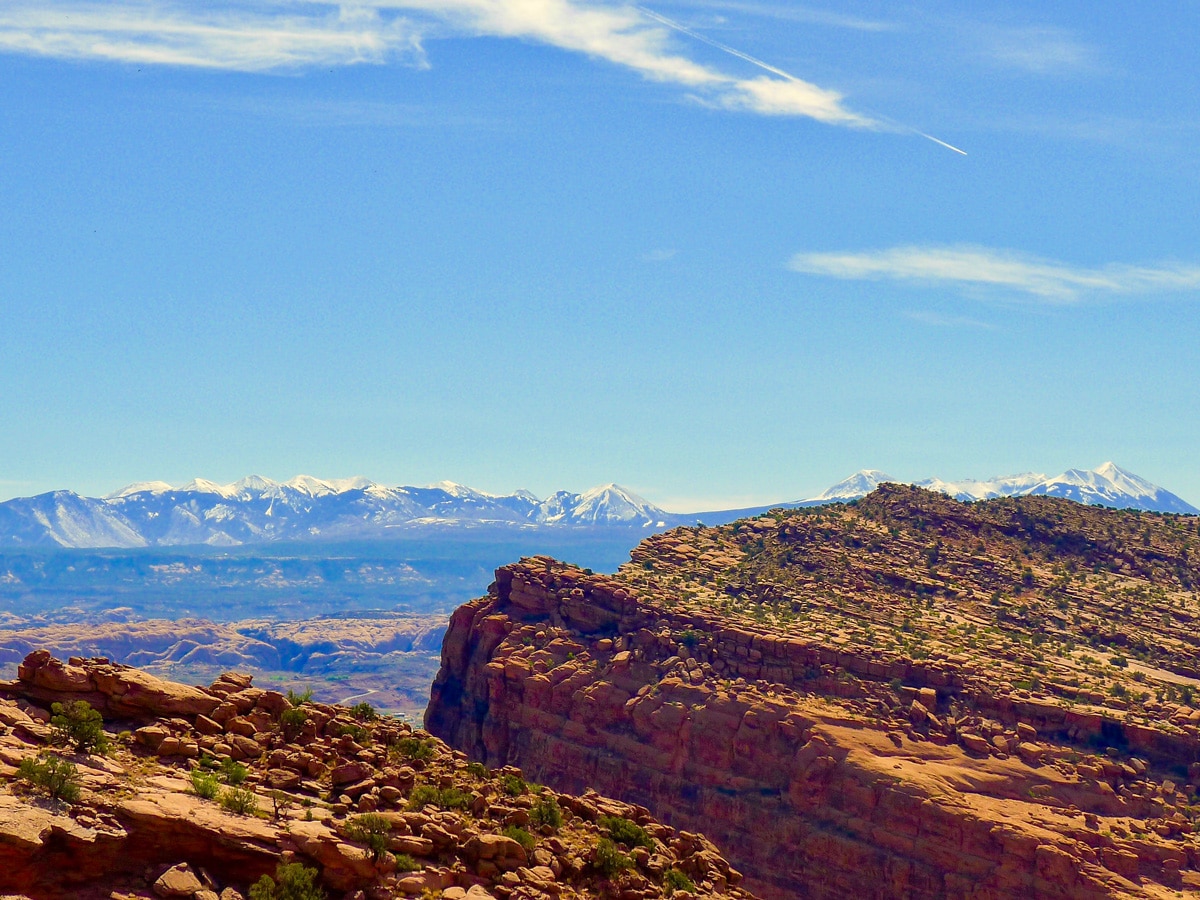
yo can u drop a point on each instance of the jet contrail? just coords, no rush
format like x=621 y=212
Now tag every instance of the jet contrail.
x=936 y=140
x=683 y=29
x=725 y=48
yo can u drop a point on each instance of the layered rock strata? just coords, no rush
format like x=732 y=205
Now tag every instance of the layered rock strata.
x=900 y=698
x=314 y=780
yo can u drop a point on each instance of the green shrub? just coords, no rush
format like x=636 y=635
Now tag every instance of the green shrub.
x=358 y=733
x=447 y=798
x=205 y=784
x=293 y=719
x=405 y=863
x=546 y=811
x=674 y=880
x=296 y=699
x=75 y=722
x=410 y=748
x=521 y=836
x=364 y=712
x=454 y=798
x=609 y=860
x=370 y=829
x=514 y=785
x=240 y=801
x=423 y=795
x=233 y=772
x=626 y=832
x=292 y=881
x=478 y=769
x=51 y=774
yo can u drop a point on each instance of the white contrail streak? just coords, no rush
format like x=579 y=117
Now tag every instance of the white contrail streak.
x=774 y=70
x=683 y=29
x=937 y=141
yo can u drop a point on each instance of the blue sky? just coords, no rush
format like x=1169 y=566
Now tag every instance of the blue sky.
x=698 y=248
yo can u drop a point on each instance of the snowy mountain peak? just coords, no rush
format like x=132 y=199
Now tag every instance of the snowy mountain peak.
x=972 y=489
x=204 y=486
x=139 y=487
x=610 y=503
x=252 y=484
x=461 y=491
x=1125 y=481
x=857 y=485
x=1106 y=485
x=320 y=487
x=1110 y=485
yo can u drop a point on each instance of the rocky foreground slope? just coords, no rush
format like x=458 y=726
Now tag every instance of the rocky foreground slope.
x=204 y=791
x=903 y=697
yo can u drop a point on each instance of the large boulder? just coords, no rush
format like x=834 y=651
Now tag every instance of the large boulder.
x=114 y=689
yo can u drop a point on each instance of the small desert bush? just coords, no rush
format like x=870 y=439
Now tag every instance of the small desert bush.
x=292 y=881
x=296 y=699
x=405 y=863
x=364 y=712
x=674 y=880
x=52 y=775
x=609 y=860
x=546 y=811
x=626 y=832
x=205 y=784
x=410 y=748
x=240 y=801
x=514 y=785
x=521 y=836
x=358 y=733
x=428 y=795
x=76 y=723
x=233 y=772
x=370 y=829
x=293 y=719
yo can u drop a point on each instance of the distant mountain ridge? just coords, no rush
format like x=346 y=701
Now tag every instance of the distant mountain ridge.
x=258 y=510
x=1106 y=485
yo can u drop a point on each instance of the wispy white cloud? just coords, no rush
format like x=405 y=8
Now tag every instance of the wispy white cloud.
x=982 y=267
x=662 y=254
x=640 y=40
x=790 y=12
x=1039 y=50
x=257 y=37
x=290 y=34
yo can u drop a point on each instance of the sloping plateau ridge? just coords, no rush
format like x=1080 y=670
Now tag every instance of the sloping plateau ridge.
x=906 y=696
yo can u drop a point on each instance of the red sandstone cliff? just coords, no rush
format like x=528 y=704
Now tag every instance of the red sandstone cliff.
x=823 y=766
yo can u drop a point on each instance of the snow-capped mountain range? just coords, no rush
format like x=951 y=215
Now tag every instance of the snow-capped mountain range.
x=1106 y=485
x=258 y=510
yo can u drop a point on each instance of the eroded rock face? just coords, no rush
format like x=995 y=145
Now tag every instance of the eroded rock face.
x=822 y=764
x=296 y=783
x=119 y=691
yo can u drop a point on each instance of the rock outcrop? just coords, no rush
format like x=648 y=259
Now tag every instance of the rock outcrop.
x=206 y=790
x=390 y=657
x=897 y=698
